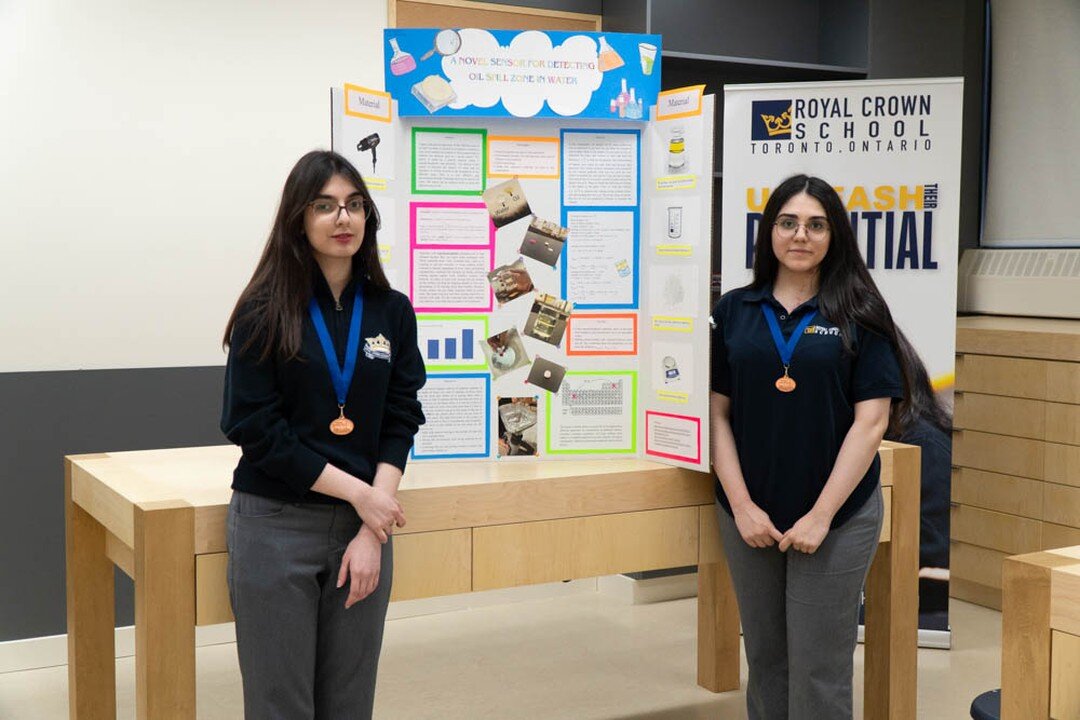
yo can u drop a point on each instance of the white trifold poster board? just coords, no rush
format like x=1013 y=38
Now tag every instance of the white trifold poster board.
x=891 y=148
x=559 y=270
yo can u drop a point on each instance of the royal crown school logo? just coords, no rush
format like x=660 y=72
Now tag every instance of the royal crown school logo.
x=770 y=120
x=377 y=348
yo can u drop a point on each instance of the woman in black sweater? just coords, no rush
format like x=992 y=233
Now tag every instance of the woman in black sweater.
x=321 y=394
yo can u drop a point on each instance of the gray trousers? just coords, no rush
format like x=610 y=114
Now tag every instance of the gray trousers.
x=800 y=616
x=303 y=656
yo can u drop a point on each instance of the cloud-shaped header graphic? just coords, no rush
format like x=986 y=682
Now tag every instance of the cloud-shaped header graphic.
x=525 y=74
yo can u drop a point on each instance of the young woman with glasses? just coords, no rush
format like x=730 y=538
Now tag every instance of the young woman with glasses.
x=321 y=394
x=804 y=375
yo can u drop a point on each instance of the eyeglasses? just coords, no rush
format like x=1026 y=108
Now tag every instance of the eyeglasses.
x=355 y=207
x=787 y=227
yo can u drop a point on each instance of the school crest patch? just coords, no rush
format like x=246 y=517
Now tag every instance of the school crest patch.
x=377 y=348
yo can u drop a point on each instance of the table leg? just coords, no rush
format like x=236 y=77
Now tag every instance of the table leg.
x=892 y=603
x=718 y=613
x=164 y=611
x=90 y=614
x=1025 y=635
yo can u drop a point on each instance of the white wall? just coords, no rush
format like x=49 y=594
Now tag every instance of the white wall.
x=144 y=146
x=1034 y=176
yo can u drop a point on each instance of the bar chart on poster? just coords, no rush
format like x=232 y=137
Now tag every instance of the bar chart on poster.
x=543 y=213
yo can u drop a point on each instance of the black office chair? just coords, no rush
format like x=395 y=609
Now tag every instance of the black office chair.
x=987 y=706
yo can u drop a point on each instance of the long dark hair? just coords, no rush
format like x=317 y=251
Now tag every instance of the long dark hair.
x=276 y=298
x=922 y=401
x=847 y=295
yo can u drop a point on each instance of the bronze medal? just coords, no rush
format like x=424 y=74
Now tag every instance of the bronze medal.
x=786 y=383
x=341 y=425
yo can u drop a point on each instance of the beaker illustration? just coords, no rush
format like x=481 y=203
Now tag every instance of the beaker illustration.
x=674 y=222
x=402 y=62
x=647 y=51
x=608 y=59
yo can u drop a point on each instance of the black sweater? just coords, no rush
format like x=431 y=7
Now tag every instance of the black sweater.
x=279 y=412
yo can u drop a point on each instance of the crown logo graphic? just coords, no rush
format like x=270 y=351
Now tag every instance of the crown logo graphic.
x=377 y=348
x=777 y=124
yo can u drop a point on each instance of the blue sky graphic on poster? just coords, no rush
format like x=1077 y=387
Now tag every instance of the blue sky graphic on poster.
x=469 y=72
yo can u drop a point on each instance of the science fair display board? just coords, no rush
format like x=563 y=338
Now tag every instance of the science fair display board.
x=547 y=211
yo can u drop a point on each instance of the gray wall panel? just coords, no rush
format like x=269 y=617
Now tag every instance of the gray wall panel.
x=629 y=16
x=929 y=38
x=739 y=29
x=49 y=415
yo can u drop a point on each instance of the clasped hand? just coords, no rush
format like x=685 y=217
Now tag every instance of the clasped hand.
x=807 y=534
x=758 y=531
x=379 y=510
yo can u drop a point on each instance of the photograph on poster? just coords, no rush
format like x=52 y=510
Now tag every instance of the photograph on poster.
x=598 y=260
x=544 y=241
x=365 y=134
x=529 y=157
x=451 y=279
x=672 y=371
x=370 y=147
x=451 y=224
x=510 y=282
x=600 y=169
x=676 y=220
x=671 y=293
x=505 y=352
x=546 y=374
x=517 y=426
x=677 y=146
x=547 y=319
x=448 y=160
x=451 y=342
x=458 y=416
x=593 y=412
x=506 y=202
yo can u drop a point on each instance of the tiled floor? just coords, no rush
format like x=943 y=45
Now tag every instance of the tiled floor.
x=581 y=657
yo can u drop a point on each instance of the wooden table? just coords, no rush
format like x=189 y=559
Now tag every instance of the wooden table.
x=1016 y=447
x=160 y=516
x=1040 y=636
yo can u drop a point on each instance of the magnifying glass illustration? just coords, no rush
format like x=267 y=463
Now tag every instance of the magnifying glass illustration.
x=447 y=42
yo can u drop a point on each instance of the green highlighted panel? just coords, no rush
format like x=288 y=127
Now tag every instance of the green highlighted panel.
x=594 y=413
x=451 y=343
x=449 y=161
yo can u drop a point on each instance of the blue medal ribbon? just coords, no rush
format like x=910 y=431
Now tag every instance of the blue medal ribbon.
x=340 y=376
x=785 y=348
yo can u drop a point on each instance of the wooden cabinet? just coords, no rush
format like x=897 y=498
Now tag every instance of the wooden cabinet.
x=1016 y=447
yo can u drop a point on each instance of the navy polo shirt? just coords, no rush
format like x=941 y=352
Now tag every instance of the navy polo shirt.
x=789 y=442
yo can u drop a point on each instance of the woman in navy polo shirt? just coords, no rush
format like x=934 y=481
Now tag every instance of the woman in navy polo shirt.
x=321 y=394
x=804 y=372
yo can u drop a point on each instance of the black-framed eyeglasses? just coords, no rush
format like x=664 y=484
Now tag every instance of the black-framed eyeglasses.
x=324 y=208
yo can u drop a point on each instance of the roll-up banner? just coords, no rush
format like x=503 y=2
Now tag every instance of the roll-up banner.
x=891 y=148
